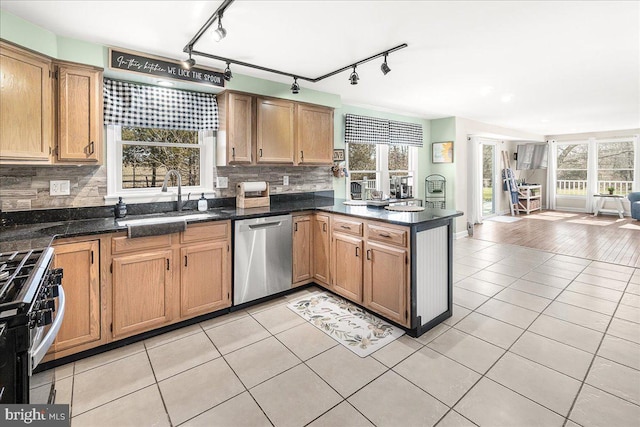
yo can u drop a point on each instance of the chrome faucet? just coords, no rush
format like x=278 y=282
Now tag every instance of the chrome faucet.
x=164 y=187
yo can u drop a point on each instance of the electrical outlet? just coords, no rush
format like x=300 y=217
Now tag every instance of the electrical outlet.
x=285 y=180
x=60 y=188
x=222 y=182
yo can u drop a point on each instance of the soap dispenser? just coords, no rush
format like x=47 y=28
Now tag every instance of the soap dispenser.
x=120 y=209
x=202 y=204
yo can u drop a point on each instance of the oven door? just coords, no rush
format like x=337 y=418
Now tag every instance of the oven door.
x=43 y=336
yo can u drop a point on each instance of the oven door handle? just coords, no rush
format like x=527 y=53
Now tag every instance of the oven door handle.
x=38 y=354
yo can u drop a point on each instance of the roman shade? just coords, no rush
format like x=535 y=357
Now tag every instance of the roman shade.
x=371 y=130
x=130 y=104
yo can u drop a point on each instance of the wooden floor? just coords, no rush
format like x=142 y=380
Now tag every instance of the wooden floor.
x=604 y=238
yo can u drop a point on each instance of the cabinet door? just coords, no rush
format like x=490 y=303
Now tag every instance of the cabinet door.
x=26 y=117
x=302 y=256
x=81 y=284
x=141 y=292
x=346 y=261
x=274 y=131
x=385 y=281
x=205 y=282
x=239 y=128
x=321 y=248
x=314 y=135
x=79 y=114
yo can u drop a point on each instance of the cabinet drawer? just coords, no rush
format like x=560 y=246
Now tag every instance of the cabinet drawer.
x=205 y=232
x=393 y=236
x=346 y=226
x=124 y=244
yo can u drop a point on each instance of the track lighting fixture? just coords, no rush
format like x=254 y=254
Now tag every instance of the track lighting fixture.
x=295 y=87
x=220 y=32
x=353 y=78
x=227 y=73
x=188 y=63
x=384 y=67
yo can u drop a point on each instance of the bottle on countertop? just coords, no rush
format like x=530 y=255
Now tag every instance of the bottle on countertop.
x=202 y=204
x=120 y=210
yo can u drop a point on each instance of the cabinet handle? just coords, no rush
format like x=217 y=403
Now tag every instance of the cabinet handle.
x=91 y=257
x=346 y=227
x=383 y=235
x=233 y=152
x=324 y=227
x=167 y=264
x=369 y=254
x=91 y=147
x=301 y=155
x=357 y=251
x=260 y=152
x=185 y=261
x=295 y=227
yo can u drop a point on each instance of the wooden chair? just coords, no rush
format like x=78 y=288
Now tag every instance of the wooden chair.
x=356 y=191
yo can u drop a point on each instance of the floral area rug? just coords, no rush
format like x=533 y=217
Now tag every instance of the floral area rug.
x=353 y=327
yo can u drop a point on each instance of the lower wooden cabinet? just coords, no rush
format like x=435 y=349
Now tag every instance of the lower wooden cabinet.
x=302 y=253
x=321 y=248
x=205 y=279
x=81 y=325
x=346 y=266
x=141 y=292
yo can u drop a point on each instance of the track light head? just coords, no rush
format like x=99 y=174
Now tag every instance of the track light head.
x=220 y=32
x=384 y=67
x=227 y=73
x=187 y=64
x=295 y=87
x=353 y=78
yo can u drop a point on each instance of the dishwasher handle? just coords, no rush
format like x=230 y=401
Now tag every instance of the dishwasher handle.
x=266 y=225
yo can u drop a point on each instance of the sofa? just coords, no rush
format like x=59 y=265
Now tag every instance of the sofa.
x=634 y=201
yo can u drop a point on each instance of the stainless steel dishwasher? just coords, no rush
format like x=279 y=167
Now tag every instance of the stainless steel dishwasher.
x=263 y=252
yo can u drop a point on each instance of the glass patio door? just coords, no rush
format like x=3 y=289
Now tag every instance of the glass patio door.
x=489 y=187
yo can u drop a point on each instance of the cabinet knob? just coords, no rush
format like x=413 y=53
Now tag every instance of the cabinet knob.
x=91 y=147
x=369 y=254
x=357 y=251
x=324 y=227
x=301 y=155
x=260 y=152
x=233 y=152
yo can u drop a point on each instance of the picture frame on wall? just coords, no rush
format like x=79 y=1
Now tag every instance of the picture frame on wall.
x=442 y=152
x=338 y=155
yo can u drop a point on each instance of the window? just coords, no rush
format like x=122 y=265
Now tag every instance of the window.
x=378 y=163
x=615 y=166
x=572 y=169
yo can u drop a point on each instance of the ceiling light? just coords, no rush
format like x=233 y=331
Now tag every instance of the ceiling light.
x=165 y=83
x=220 y=32
x=227 y=73
x=353 y=78
x=384 y=67
x=295 y=87
x=188 y=63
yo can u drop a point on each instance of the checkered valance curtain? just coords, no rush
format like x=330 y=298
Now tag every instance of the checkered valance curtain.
x=371 y=130
x=130 y=104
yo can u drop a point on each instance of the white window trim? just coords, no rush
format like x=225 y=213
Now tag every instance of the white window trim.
x=144 y=195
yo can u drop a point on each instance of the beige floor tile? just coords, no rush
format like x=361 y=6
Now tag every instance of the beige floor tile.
x=144 y=407
x=172 y=336
x=306 y=341
x=636 y=277
x=560 y=264
x=571 y=259
x=612 y=267
x=626 y=312
x=398 y=350
x=490 y=255
x=110 y=381
x=267 y=305
x=631 y=300
x=194 y=391
x=616 y=285
x=468 y=299
x=472 y=352
x=225 y=318
x=523 y=299
x=342 y=415
x=546 y=279
x=237 y=334
x=474 y=262
x=479 y=286
x=459 y=313
x=182 y=354
x=508 y=270
x=520 y=264
x=493 y=277
x=65 y=371
x=464 y=270
x=64 y=390
x=295 y=397
x=616 y=379
x=624 y=329
x=490 y=404
x=552 y=270
x=585 y=301
x=433 y=333
x=494 y=331
x=621 y=351
x=596 y=408
x=345 y=371
x=260 y=361
x=535 y=289
x=543 y=385
x=608 y=273
x=107 y=357
x=457 y=276
x=553 y=354
x=567 y=333
x=509 y=313
x=579 y=316
x=278 y=319
x=438 y=375
x=595 y=291
x=454 y=419
x=239 y=411
x=392 y=401
x=633 y=288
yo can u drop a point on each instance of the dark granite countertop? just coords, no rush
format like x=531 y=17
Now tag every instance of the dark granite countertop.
x=28 y=236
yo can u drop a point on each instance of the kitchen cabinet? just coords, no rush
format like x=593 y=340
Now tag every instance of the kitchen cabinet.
x=26 y=117
x=81 y=326
x=321 y=248
x=274 y=131
x=302 y=253
x=346 y=266
x=204 y=279
x=235 y=136
x=314 y=134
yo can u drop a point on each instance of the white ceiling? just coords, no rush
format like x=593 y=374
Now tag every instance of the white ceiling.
x=544 y=67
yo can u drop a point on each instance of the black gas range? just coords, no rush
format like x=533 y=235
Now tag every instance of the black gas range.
x=32 y=307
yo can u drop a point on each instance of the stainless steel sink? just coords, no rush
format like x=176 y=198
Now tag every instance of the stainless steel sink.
x=165 y=219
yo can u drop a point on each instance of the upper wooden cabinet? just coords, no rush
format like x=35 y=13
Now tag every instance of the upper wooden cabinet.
x=314 y=134
x=26 y=118
x=274 y=130
x=50 y=111
x=235 y=136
